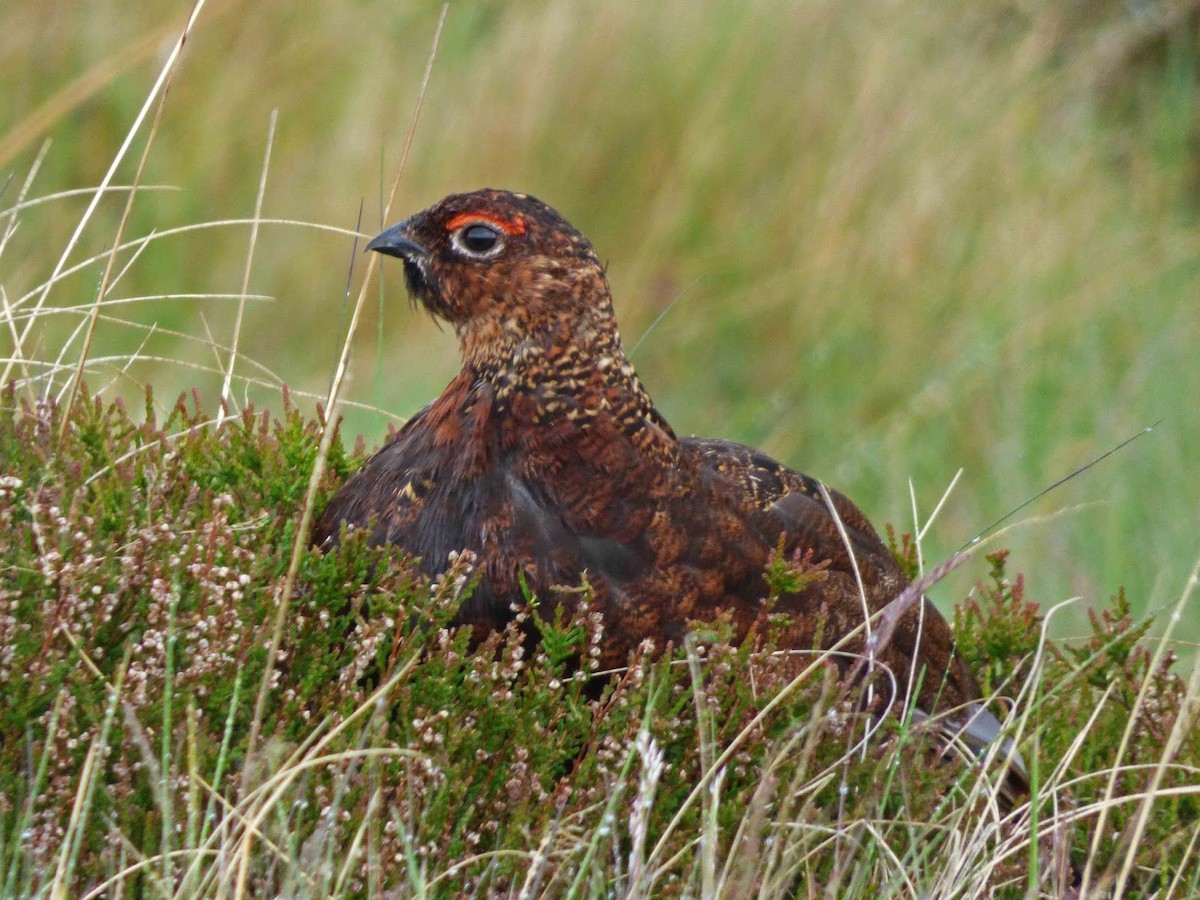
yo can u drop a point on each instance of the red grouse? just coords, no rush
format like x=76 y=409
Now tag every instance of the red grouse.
x=547 y=458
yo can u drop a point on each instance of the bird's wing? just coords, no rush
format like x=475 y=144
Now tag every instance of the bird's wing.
x=862 y=571
x=795 y=506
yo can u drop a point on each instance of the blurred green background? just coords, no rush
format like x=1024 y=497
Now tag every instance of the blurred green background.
x=900 y=237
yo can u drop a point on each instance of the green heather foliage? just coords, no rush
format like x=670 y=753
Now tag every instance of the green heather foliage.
x=142 y=563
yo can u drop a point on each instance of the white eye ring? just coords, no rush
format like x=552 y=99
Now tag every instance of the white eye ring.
x=478 y=240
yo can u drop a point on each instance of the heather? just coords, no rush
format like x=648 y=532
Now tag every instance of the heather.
x=389 y=757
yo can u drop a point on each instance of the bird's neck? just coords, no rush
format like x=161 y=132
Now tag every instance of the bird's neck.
x=515 y=351
x=564 y=368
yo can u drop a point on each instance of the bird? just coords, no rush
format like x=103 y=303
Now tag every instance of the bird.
x=547 y=459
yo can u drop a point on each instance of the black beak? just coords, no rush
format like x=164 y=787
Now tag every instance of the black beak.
x=396 y=242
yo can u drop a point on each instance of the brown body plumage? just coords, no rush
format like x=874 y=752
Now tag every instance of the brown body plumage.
x=546 y=457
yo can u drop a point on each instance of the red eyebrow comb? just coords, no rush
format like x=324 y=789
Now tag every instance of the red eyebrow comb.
x=508 y=226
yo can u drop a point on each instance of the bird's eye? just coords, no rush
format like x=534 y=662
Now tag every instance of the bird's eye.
x=478 y=240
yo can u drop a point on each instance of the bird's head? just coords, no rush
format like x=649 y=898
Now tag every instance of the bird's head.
x=502 y=268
